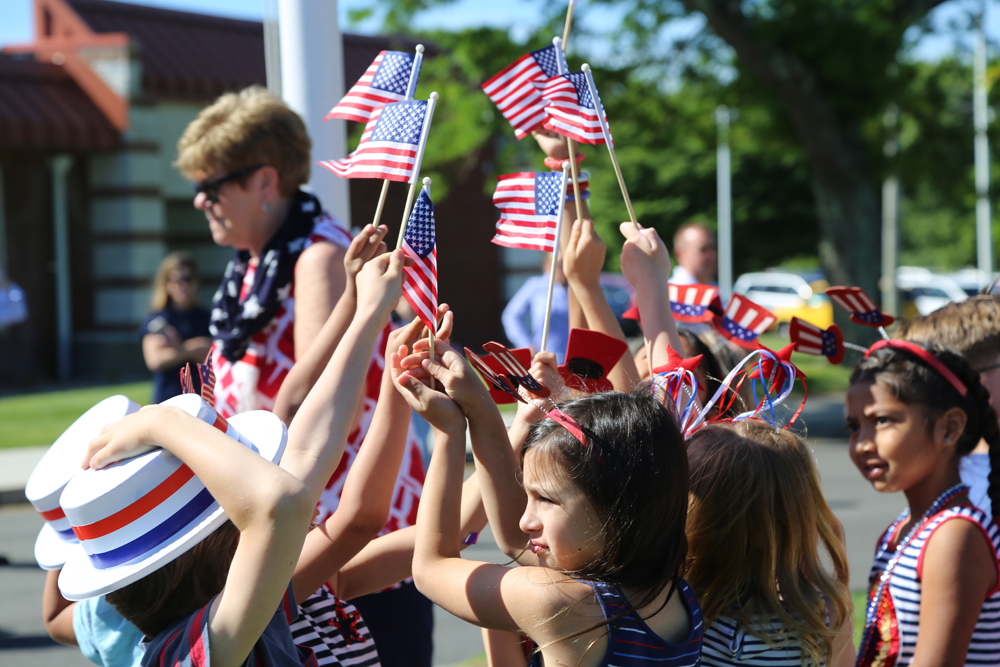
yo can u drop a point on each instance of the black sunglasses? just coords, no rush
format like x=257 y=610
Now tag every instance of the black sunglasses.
x=211 y=188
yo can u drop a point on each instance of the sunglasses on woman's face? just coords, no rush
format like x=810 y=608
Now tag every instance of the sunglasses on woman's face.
x=211 y=188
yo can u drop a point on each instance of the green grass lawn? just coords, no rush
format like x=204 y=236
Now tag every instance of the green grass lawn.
x=38 y=419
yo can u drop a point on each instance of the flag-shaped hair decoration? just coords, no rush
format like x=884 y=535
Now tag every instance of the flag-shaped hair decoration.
x=420 y=280
x=571 y=110
x=590 y=355
x=385 y=81
x=530 y=203
x=861 y=306
x=810 y=339
x=206 y=380
x=514 y=370
x=503 y=396
x=388 y=146
x=743 y=321
x=677 y=381
x=516 y=96
x=692 y=303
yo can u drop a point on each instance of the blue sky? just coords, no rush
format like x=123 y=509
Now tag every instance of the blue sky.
x=16 y=18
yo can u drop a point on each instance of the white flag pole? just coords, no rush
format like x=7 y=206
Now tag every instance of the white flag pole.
x=560 y=45
x=411 y=88
x=599 y=107
x=424 y=131
x=555 y=257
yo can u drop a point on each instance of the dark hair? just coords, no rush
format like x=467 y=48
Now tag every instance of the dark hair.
x=914 y=381
x=634 y=473
x=179 y=587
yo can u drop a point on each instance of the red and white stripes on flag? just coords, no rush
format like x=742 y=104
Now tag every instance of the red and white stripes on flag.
x=513 y=91
x=571 y=109
x=862 y=307
x=384 y=81
x=744 y=321
x=530 y=204
x=420 y=280
x=389 y=145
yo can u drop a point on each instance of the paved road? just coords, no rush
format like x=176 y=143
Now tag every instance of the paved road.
x=23 y=641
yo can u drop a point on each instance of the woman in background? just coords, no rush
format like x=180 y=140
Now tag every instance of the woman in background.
x=176 y=330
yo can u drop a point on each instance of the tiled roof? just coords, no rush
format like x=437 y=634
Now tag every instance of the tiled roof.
x=193 y=56
x=42 y=108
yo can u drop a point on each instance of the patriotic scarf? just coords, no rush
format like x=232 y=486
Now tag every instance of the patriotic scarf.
x=234 y=323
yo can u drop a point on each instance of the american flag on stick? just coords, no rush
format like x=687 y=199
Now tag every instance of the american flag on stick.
x=388 y=146
x=515 y=94
x=385 y=81
x=531 y=204
x=420 y=280
x=572 y=111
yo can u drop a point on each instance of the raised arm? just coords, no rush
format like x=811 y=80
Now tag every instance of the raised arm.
x=646 y=265
x=310 y=364
x=364 y=505
x=583 y=258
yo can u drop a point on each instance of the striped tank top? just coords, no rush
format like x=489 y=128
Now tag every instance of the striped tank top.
x=897 y=620
x=335 y=632
x=727 y=644
x=632 y=643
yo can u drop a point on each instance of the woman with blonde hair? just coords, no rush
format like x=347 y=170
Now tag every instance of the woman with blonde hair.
x=176 y=330
x=247 y=156
x=756 y=521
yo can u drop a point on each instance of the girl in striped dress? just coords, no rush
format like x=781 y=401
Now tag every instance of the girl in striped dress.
x=756 y=521
x=934 y=597
x=598 y=525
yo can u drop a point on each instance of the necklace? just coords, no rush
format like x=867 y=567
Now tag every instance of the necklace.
x=935 y=507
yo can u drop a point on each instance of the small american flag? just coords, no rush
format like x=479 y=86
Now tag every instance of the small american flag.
x=571 y=109
x=861 y=306
x=530 y=204
x=383 y=82
x=690 y=303
x=206 y=380
x=420 y=281
x=388 y=146
x=810 y=339
x=516 y=96
x=744 y=321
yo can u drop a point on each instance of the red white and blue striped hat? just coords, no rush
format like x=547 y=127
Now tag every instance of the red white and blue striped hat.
x=136 y=515
x=53 y=473
x=744 y=321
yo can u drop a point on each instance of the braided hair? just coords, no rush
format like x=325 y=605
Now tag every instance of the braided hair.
x=914 y=381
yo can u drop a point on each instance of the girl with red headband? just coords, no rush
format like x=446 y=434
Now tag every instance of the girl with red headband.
x=913 y=411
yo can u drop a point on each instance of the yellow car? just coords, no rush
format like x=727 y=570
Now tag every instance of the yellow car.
x=787 y=295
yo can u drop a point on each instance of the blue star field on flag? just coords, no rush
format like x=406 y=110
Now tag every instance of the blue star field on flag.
x=393 y=73
x=548 y=195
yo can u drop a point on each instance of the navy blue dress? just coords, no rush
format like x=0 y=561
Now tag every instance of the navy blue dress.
x=190 y=323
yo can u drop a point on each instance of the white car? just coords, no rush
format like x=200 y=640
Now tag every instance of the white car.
x=786 y=295
x=925 y=290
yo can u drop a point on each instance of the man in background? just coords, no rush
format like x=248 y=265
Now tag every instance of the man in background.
x=695 y=256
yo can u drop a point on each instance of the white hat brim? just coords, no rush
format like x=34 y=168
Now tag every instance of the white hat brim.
x=51 y=551
x=79 y=578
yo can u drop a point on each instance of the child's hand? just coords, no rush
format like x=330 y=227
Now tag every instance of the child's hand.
x=436 y=407
x=125 y=438
x=645 y=260
x=583 y=256
x=366 y=245
x=380 y=283
x=544 y=369
x=552 y=143
x=454 y=373
x=446 y=322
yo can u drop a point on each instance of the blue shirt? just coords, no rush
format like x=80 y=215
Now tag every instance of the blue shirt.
x=524 y=317
x=190 y=323
x=104 y=637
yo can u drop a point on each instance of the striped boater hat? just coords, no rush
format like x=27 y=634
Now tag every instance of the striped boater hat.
x=136 y=515
x=57 y=467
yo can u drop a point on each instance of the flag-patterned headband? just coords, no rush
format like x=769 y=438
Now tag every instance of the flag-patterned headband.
x=927 y=358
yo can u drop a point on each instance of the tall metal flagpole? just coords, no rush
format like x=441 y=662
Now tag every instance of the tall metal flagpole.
x=984 y=245
x=411 y=89
x=555 y=257
x=607 y=140
x=725 y=197
x=424 y=132
x=890 y=217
